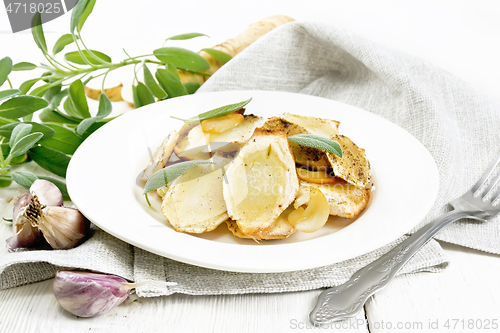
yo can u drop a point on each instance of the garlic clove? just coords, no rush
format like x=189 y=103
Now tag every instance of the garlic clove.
x=62 y=227
x=22 y=202
x=89 y=294
x=48 y=193
x=25 y=235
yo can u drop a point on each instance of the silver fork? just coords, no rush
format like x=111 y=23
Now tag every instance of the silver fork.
x=347 y=300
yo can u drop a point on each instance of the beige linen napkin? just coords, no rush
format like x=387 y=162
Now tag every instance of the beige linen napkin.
x=456 y=124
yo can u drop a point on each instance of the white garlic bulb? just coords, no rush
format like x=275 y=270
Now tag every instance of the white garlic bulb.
x=62 y=227
x=25 y=235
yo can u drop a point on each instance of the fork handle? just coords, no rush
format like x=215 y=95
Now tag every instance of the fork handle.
x=347 y=300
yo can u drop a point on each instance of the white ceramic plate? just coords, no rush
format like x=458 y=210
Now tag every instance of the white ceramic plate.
x=102 y=175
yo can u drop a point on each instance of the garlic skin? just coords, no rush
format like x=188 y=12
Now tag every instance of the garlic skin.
x=89 y=294
x=40 y=213
x=48 y=194
x=63 y=227
x=25 y=235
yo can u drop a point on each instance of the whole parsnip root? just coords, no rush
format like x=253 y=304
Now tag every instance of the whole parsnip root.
x=235 y=45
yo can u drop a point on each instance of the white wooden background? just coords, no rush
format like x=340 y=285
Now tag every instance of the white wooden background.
x=460 y=36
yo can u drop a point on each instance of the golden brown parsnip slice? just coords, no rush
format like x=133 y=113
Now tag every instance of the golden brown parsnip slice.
x=344 y=199
x=317 y=177
x=281 y=229
x=305 y=156
x=316 y=126
x=240 y=133
x=261 y=181
x=353 y=166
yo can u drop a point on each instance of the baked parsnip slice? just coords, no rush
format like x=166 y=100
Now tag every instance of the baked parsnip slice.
x=194 y=202
x=316 y=126
x=240 y=133
x=261 y=181
x=344 y=199
x=353 y=166
x=161 y=156
x=281 y=229
x=306 y=156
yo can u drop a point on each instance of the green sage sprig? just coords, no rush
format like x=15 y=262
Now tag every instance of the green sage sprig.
x=166 y=175
x=58 y=93
x=318 y=142
x=218 y=112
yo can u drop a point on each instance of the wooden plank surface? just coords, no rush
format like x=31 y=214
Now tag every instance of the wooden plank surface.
x=467 y=290
x=463 y=298
x=33 y=308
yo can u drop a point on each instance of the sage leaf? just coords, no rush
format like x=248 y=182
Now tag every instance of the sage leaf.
x=4 y=149
x=137 y=102
x=79 y=99
x=52 y=92
x=26 y=86
x=104 y=110
x=50 y=159
x=62 y=42
x=24 y=178
x=8 y=129
x=94 y=127
x=187 y=36
x=76 y=58
x=152 y=85
x=77 y=14
x=20 y=106
x=19 y=131
x=24 y=66
x=40 y=91
x=5 y=121
x=64 y=140
x=5 y=69
x=9 y=93
x=191 y=87
x=70 y=109
x=56 y=100
x=55 y=116
x=173 y=70
x=181 y=58
x=105 y=106
x=168 y=174
x=220 y=56
x=44 y=75
x=25 y=143
x=37 y=31
x=88 y=9
x=170 y=83
x=85 y=124
x=318 y=142
x=144 y=96
x=218 y=112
